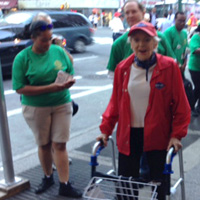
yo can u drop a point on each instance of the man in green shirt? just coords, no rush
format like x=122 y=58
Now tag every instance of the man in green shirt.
x=121 y=48
x=177 y=38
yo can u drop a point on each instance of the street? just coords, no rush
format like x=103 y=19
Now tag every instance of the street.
x=91 y=91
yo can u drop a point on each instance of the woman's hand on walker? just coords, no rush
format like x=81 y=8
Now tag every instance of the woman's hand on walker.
x=103 y=138
x=176 y=143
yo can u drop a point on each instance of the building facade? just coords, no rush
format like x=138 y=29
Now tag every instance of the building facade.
x=83 y=6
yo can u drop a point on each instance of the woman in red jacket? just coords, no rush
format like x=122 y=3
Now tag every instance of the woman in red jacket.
x=149 y=104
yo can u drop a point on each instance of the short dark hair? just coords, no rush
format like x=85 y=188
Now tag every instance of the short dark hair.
x=179 y=13
x=140 y=6
x=165 y=15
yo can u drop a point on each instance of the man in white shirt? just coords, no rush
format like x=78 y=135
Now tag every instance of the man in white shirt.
x=153 y=16
x=117 y=26
x=171 y=17
x=164 y=24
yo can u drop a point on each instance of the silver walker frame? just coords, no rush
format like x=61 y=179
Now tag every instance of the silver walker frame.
x=98 y=146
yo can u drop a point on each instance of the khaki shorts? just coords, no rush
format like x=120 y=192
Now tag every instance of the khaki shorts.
x=49 y=123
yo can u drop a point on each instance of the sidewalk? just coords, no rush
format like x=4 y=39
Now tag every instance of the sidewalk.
x=80 y=174
x=80 y=170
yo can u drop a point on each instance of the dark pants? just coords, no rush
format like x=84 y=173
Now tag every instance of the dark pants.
x=195 y=75
x=130 y=165
x=156 y=162
x=116 y=35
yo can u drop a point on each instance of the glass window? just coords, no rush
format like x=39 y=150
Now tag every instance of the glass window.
x=60 y=21
x=67 y=20
x=17 y=18
x=77 y=20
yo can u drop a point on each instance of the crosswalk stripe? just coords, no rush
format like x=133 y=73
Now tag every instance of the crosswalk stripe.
x=90 y=90
x=103 y=40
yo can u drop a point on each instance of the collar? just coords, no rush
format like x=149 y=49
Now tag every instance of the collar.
x=147 y=63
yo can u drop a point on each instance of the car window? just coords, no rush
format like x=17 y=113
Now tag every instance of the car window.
x=16 y=18
x=77 y=20
x=60 y=21
x=67 y=20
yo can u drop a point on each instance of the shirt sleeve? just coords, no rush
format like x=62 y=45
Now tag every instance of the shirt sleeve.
x=180 y=106
x=18 y=72
x=111 y=114
x=159 y=25
x=115 y=56
x=168 y=36
x=70 y=68
x=166 y=46
x=194 y=43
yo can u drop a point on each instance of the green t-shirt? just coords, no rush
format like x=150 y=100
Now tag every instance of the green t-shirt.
x=178 y=42
x=194 y=61
x=34 y=69
x=121 y=49
x=164 y=47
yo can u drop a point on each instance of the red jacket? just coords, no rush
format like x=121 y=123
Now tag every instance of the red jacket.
x=168 y=112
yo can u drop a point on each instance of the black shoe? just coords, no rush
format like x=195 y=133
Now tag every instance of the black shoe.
x=194 y=113
x=69 y=191
x=198 y=109
x=46 y=184
x=74 y=108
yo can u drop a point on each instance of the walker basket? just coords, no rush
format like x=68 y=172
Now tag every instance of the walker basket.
x=118 y=189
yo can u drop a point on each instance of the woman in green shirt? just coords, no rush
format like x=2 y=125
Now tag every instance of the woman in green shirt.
x=42 y=74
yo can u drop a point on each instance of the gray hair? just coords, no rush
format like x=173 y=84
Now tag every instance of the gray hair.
x=42 y=16
x=156 y=38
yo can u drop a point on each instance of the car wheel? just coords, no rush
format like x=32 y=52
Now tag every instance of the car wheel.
x=79 y=46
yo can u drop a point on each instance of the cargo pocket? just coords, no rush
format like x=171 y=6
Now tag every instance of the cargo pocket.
x=28 y=112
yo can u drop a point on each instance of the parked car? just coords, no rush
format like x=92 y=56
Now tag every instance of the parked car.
x=15 y=36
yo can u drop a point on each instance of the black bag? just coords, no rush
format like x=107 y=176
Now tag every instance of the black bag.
x=189 y=92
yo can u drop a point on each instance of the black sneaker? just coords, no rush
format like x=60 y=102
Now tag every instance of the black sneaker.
x=69 y=191
x=46 y=184
x=194 y=113
x=198 y=109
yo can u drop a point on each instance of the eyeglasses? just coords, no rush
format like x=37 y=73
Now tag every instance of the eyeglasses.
x=46 y=27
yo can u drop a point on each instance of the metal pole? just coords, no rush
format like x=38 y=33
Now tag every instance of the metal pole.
x=5 y=138
x=164 y=8
x=179 y=5
x=182 y=174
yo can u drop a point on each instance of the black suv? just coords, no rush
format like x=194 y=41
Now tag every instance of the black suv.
x=15 y=36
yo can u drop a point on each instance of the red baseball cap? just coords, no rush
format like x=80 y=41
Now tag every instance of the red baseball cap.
x=117 y=14
x=143 y=26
